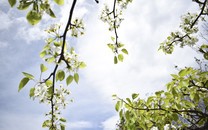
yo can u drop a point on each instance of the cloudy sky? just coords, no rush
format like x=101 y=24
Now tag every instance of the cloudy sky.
x=144 y=70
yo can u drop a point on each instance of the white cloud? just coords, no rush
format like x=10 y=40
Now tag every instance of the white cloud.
x=144 y=70
x=79 y=125
x=110 y=123
x=5 y=21
x=3 y=44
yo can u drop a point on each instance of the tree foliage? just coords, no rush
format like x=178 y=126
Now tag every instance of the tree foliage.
x=184 y=105
x=59 y=52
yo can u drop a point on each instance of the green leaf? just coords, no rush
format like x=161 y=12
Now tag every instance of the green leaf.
x=111 y=46
x=82 y=65
x=206 y=56
x=46 y=123
x=115 y=60
x=183 y=72
x=175 y=117
x=112 y=38
x=76 y=77
x=69 y=79
x=60 y=75
x=125 y=51
x=51 y=13
x=120 y=57
x=59 y=2
x=134 y=95
x=29 y=76
x=33 y=17
x=118 y=105
x=32 y=92
x=62 y=120
x=49 y=83
x=12 y=2
x=24 y=5
x=42 y=54
x=51 y=59
x=23 y=82
x=43 y=68
x=62 y=127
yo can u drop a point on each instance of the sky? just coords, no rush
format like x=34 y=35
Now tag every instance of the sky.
x=144 y=71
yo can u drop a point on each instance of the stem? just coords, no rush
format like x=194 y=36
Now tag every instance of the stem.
x=59 y=60
x=114 y=25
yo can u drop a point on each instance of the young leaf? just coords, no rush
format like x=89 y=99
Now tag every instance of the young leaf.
x=43 y=68
x=32 y=92
x=82 y=65
x=59 y=2
x=134 y=95
x=125 y=51
x=62 y=120
x=60 y=75
x=69 y=79
x=118 y=106
x=12 y=2
x=115 y=60
x=76 y=77
x=23 y=82
x=62 y=127
x=42 y=54
x=29 y=76
x=33 y=17
x=120 y=57
x=51 y=13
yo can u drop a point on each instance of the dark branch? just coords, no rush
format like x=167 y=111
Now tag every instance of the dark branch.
x=201 y=12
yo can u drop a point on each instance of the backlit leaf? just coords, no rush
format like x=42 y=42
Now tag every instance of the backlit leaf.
x=32 y=92
x=125 y=51
x=76 y=77
x=33 y=17
x=134 y=95
x=115 y=60
x=120 y=57
x=60 y=75
x=69 y=79
x=82 y=65
x=12 y=2
x=43 y=68
x=23 y=82
x=28 y=75
x=59 y=2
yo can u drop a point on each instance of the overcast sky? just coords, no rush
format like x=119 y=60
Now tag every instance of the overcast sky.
x=144 y=70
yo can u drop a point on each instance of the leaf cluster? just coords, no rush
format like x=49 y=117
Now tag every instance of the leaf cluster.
x=183 y=106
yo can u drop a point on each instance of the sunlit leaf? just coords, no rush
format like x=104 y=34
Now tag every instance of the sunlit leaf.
x=62 y=127
x=62 y=120
x=69 y=79
x=43 y=68
x=120 y=57
x=82 y=65
x=125 y=51
x=23 y=82
x=115 y=60
x=33 y=17
x=31 y=77
x=42 y=54
x=51 y=13
x=60 y=75
x=59 y=2
x=32 y=92
x=76 y=77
